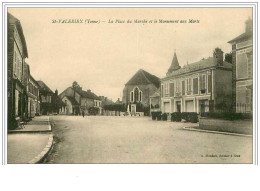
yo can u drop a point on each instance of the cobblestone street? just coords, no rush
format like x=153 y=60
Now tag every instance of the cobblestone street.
x=114 y=139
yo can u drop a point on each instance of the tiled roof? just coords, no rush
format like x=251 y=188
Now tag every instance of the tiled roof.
x=14 y=20
x=87 y=94
x=202 y=64
x=142 y=78
x=44 y=87
x=241 y=37
x=72 y=100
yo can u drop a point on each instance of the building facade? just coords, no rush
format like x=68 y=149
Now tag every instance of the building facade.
x=17 y=52
x=84 y=99
x=199 y=87
x=242 y=67
x=137 y=92
x=33 y=100
x=71 y=106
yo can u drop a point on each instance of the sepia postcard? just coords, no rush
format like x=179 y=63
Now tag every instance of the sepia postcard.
x=130 y=85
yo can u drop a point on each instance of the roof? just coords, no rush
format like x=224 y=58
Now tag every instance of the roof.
x=106 y=101
x=156 y=94
x=142 y=77
x=175 y=64
x=44 y=87
x=87 y=94
x=14 y=20
x=56 y=99
x=202 y=64
x=243 y=36
x=72 y=100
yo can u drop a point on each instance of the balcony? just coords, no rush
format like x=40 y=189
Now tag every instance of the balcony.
x=203 y=91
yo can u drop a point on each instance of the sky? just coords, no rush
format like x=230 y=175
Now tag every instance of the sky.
x=103 y=56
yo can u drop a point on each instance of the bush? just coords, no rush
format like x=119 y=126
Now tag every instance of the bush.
x=155 y=115
x=176 y=116
x=228 y=115
x=159 y=117
x=190 y=116
x=164 y=117
x=93 y=111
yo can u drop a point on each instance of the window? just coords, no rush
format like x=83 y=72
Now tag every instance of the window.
x=189 y=85
x=177 y=86
x=209 y=83
x=183 y=87
x=171 y=89
x=195 y=86
x=136 y=94
x=162 y=91
x=140 y=99
x=132 y=96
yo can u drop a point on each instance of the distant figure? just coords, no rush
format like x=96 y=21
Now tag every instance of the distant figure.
x=83 y=113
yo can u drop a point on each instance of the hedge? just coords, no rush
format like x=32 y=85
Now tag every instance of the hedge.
x=190 y=117
x=227 y=115
x=164 y=117
x=155 y=115
x=176 y=116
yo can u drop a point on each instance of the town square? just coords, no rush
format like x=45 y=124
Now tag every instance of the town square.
x=131 y=86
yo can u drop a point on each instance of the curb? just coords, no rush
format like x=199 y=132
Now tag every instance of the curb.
x=40 y=157
x=215 y=132
x=33 y=131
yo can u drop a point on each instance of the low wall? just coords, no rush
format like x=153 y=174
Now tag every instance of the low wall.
x=237 y=126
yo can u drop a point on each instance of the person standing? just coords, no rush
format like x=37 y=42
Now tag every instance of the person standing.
x=83 y=113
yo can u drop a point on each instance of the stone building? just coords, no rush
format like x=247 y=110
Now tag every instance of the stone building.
x=17 y=52
x=242 y=66
x=199 y=87
x=71 y=105
x=137 y=92
x=84 y=99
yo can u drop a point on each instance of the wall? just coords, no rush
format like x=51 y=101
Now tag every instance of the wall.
x=68 y=108
x=223 y=88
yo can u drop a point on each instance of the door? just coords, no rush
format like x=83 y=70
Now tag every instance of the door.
x=166 y=107
x=189 y=106
x=178 y=106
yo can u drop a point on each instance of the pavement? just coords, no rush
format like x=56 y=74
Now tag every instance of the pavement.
x=30 y=144
x=114 y=139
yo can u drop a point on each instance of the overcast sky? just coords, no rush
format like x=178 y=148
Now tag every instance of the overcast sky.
x=103 y=57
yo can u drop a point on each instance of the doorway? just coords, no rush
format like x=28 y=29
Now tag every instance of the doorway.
x=178 y=106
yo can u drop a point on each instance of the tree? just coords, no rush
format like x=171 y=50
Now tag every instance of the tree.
x=228 y=57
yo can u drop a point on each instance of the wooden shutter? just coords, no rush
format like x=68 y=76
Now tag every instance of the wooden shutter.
x=209 y=83
x=171 y=89
x=162 y=91
x=195 y=85
x=200 y=81
x=183 y=87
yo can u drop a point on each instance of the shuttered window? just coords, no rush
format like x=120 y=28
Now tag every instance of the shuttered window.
x=183 y=87
x=162 y=91
x=195 y=86
x=209 y=83
x=171 y=89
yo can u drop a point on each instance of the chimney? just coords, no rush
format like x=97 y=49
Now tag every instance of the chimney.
x=218 y=55
x=249 y=25
x=56 y=92
x=89 y=91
